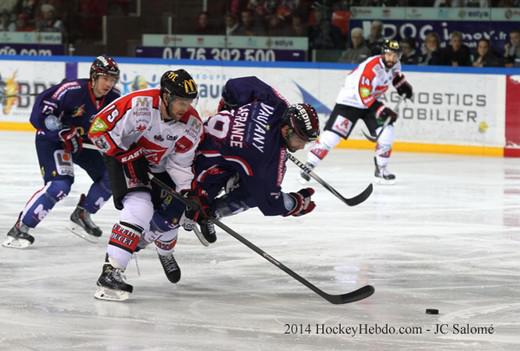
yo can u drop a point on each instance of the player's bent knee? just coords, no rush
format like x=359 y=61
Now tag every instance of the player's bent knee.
x=59 y=189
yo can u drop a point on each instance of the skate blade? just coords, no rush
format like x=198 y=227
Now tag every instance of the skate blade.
x=14 y=243
x=200 y=236
x=107 y=294
x=78 y=231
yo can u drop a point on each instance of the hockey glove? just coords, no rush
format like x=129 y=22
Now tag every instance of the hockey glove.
x=303 y=202
x=383 y=113
x=197 y=207
x=134 y=164
x=402 y=86
x=72 y=141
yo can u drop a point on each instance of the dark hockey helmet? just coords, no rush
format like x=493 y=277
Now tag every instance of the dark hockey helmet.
x=178 y=83
x=303 y=120
x=104 y=65
x=391 y=46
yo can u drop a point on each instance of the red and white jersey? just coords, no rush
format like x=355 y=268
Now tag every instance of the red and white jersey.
x=136 y=119
x=367 y=83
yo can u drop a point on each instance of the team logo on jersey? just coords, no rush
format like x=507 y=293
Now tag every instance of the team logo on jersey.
x=78 y=111
x=143 y=101
x=140 y=127
x=98 y=126
x=190 y=86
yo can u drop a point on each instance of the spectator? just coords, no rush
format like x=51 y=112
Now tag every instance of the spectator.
x=375 y=38
x=512 y=49
x=298 y=27
x=358 y=50
x=276 y=27
x=409 y=55
x=49 y=22
x=8 y=5
x=457 y=53
x=324 y=35
x=6 y=22
x=235 y=6
x=250 y=26
x=231 y=24
x=23 y=23
x=203 y=26
x=432 y=50
x=485 y=56
x=27 y=7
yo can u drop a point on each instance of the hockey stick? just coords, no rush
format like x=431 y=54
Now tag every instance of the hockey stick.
x=385 y=124
x=353 y=201
x=353 y=296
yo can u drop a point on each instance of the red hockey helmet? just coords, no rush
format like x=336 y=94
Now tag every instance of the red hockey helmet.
x=104 y=65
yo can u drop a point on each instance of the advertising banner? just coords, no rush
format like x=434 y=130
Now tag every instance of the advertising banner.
x=472 y=31
x=20 y=81
x=222 y=41
x=32 y=49
x=463 y=109
x=30 y=37
x=222 y=54
x=513 y=116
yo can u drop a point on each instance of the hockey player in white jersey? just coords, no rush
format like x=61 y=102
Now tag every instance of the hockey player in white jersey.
x=151 y=130
x=359 y=99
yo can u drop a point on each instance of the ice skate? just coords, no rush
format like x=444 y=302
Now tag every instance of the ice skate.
x=112 y=285
x=82 y=223
x=205 y=232
x=18 y=236
x=382 y=175
x=171 y=268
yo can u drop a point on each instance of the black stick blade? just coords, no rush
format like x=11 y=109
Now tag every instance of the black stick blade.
x=356 y=200
x=353 y=296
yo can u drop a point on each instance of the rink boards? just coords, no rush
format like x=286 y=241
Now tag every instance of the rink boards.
x=454 y=110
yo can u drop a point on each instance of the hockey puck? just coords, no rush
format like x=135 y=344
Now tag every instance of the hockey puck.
x=432 y=311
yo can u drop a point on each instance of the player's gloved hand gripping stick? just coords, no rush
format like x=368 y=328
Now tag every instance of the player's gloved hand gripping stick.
x=388 y=120
x=352 y=296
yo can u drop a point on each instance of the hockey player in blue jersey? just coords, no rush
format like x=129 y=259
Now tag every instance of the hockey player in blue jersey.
x=62 y=116
x=245 y=151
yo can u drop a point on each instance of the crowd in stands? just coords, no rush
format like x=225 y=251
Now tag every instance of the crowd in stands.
x=317 y=21
x=456 y=53
x=324 y=22
x=50 y=15
x=30 y=15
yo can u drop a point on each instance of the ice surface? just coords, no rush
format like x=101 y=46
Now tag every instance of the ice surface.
x=445 y=236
